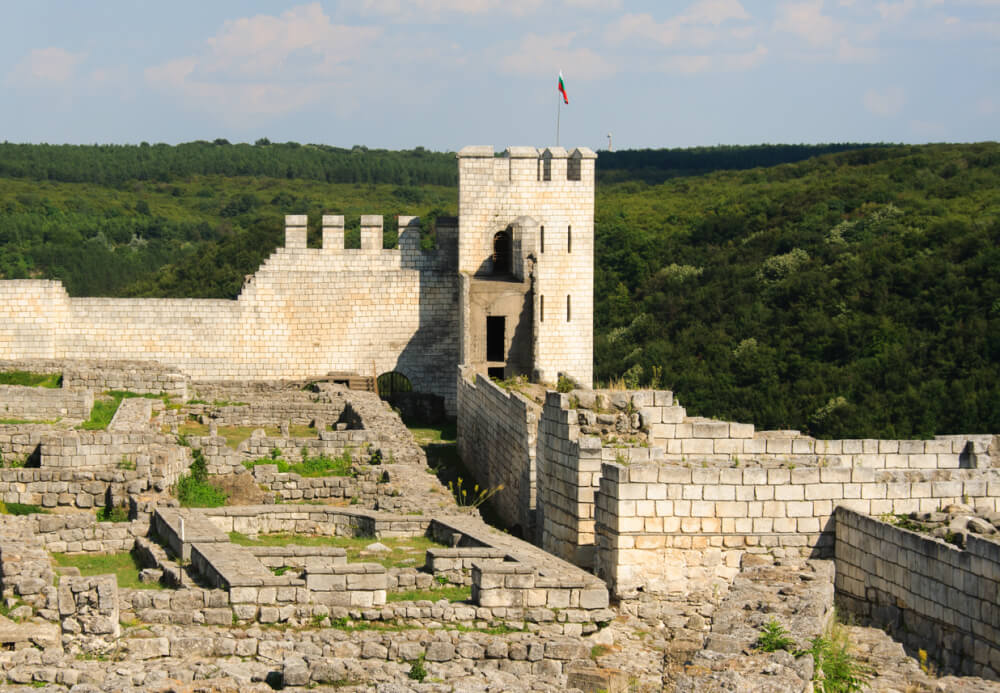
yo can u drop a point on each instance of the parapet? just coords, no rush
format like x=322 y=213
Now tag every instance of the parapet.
x=296 y=231
x=529 y=163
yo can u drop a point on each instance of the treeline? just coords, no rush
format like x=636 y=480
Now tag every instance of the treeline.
x=658 y=165
x=851 y=294
x=856 y=294
x=193 y=238
x=118 y=164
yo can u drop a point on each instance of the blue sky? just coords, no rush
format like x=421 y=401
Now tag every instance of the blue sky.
x=446 y=73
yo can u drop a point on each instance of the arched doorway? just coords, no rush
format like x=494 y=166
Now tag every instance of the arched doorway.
x=392 y=383
x=502 y=252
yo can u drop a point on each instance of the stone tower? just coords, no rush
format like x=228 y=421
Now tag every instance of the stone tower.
x=526 y=261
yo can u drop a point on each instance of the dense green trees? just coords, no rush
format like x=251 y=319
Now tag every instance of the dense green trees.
x=855 y=293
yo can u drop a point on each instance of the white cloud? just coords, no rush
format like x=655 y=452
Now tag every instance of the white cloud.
x=807 y=21
x=594 y=4
x=888 y=102
x=720 y=62
x=695 y=24
x=538 y=53
x=51 y=65
x=266 y=65
x=432 y=9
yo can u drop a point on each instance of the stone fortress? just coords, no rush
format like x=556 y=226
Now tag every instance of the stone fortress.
x=646 y=548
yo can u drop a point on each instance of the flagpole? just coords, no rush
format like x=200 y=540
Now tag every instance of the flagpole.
x=558 y=114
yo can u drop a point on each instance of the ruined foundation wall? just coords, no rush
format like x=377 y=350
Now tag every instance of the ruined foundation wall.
x=497 y=433
x=41 y=403
x=929 y=593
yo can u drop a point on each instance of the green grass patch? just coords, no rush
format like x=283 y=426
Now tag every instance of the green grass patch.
x=403 y=551
x=234 y=435
x=113 y=513
x=446 y=432
x=17 y=422
x=22 y=509
x=321 y=465
x=29 y=379
x=124 y=565
x=458 y=593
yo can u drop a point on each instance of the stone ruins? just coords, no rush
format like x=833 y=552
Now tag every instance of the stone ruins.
x=643 y=549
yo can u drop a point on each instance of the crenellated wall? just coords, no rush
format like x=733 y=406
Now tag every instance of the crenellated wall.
x=304 y=313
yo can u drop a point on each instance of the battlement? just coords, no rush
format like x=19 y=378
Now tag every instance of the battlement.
x=296 y=233
x=529 y=164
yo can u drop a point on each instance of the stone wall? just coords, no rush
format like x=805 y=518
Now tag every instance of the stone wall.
x=100 y=375
x=929 y=593
x=663 y=527
x=664 y=521
x=305 y=312
x=42 y=403
x=497 y=433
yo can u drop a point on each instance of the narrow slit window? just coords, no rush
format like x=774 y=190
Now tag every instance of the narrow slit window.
x=569 y=310
x=541 y=309
x=569 y=239
x=541 y=240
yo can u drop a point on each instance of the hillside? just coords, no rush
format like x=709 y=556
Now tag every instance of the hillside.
x=852 y=294
x=855 y=293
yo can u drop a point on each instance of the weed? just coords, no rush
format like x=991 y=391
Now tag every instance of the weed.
x=565 y=384
x=476 y=498
x=112 y=513
x=837 y=671
x=774 y=637
x=101 y=413
x=193 y=489
x=599 y=651
x=926 y=666
x=126 y=464
x=417 y=670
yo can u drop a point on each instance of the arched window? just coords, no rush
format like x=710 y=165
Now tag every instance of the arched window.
x=501 y=253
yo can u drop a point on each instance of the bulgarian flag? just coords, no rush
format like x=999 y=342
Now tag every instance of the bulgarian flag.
x=562 y=89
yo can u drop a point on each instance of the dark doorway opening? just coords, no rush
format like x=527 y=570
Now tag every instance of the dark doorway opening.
x=496 y=326
x=495 y=372
x=393 y=383
x=501 y=253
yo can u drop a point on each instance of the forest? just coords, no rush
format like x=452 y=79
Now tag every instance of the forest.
x=841 y=290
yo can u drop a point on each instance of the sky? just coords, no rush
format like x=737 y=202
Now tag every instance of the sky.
x=446 y=73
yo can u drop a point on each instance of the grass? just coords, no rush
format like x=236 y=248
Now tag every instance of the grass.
x=403 y=551
x=452 y=594
x=21 y=509
x=113 y=513
x=318 y=466
x=29 y=379
x=16 y=422
x=101 y=413
x=124 y=565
